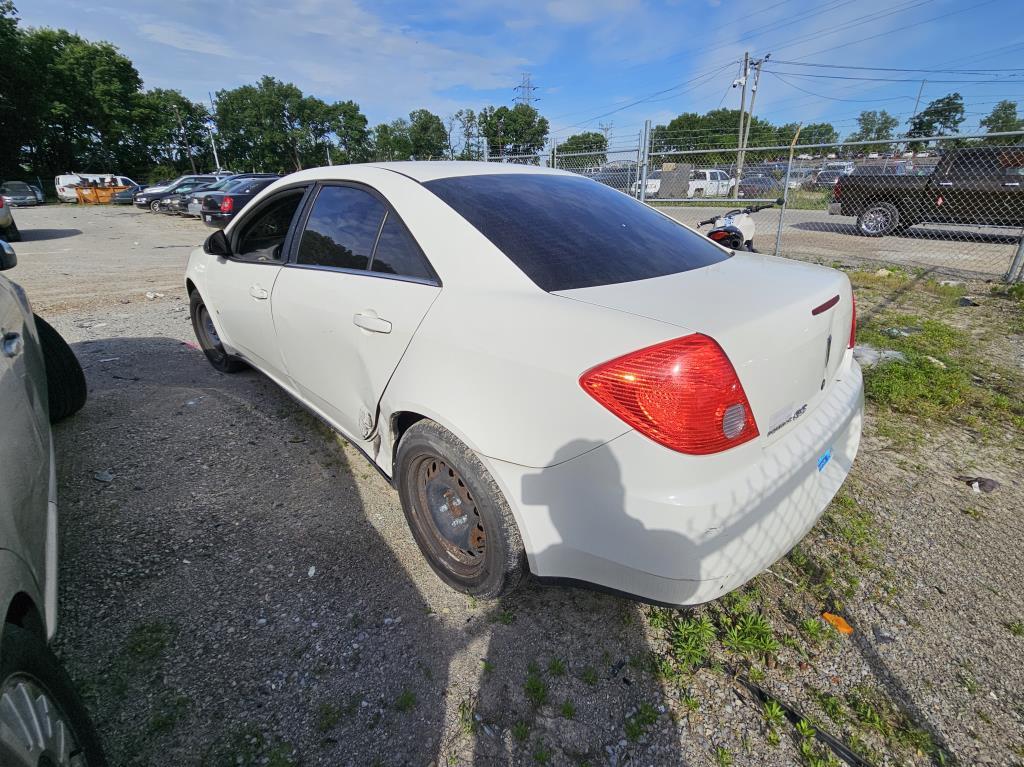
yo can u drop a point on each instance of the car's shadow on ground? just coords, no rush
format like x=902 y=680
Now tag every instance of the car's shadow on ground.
x=38 y=235
x=236 y=584
x=914 y=233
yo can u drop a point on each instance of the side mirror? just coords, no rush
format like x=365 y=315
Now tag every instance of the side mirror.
x=8 y=258
x=217 y=244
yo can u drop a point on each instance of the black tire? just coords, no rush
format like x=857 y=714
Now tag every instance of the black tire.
x=65 y=381
x=878 y=220
x=490 y=561
x=209 y=341
x=11 y=233
x=154 y=207
x=26 y=660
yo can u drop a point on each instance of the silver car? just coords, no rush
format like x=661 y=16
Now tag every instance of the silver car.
x=18 y=193
x=8 y=229
x=42 y=719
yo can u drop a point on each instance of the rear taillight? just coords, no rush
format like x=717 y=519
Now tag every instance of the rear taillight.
x=683 y=394
x=1 y=202
x=227 y=205
x=837 y=188
x=853 y=321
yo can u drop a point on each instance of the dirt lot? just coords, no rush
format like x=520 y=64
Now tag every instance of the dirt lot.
x=244 y=589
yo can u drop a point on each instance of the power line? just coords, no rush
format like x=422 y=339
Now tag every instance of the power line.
x=898 y=69
x=889 y=79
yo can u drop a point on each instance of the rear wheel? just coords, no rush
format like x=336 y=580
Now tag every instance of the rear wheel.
x=458 y=515
x=879 y=219
x=209 y=340
x=65 y=381
x=42 y=719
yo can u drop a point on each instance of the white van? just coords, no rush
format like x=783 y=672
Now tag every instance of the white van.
x=66 y=183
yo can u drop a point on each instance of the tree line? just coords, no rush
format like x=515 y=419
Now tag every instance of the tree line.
x=69 y=104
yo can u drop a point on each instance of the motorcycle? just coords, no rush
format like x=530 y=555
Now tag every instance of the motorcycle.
x=735 y=229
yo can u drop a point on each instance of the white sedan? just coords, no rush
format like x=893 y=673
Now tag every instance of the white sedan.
x=555 y=377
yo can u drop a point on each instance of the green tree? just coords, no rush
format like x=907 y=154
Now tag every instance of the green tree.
x=391 y=141
x=591 y=148
x=261 y=126
x=1003 y=118
x=819 y=133
x=517 y=131
x=464 y=141
x=941 y=117
x=872 y=126
x=427 y=135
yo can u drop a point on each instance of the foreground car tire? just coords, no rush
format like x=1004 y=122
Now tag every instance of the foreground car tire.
x=65 y=381
x=879 y=219
x=457 y=514
x=36 y=693
x=209 y=341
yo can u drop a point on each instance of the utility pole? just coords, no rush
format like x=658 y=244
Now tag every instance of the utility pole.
x=917 y=102
x=524 y=91
x=184 y=138
x=606 y=129
x=209 y=130
x=743 y=111
x=750 y=118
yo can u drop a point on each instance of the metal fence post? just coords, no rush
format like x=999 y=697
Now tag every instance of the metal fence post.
x=785 y=190
x=645 y=148
x=1015 y=272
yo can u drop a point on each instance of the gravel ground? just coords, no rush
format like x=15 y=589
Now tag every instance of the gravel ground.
x=244 y=589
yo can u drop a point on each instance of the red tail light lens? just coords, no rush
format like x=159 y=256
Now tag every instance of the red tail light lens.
x=227 y=205
x=1 y=201
x=837 y=188
x=683 y=394
x=853 y=322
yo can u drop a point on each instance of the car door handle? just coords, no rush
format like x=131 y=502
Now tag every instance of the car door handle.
x=12 y=344
x=945 y=183
x=1011 y=183
x=259 y=293
x=372 y=323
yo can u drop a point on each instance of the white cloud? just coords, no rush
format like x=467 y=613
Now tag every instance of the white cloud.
x=185 y=38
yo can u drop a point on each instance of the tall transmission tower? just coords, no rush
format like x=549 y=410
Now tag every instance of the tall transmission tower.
x=606 y=129
x=524 y=91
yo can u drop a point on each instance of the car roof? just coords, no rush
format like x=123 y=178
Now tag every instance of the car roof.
x=427 y=170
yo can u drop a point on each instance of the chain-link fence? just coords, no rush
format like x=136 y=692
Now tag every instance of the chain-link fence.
x=949 y=204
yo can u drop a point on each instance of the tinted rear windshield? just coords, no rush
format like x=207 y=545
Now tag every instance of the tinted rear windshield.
x=569 y=232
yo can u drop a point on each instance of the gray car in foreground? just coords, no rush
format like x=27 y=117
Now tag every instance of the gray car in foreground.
x=42 y=719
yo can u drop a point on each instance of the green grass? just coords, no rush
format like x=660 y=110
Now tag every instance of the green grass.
x=1016 y=628
x=751 y=633
x=722 y=757
x=569 y=710
x=589 y=676
x=556 y=667
x=467 y=716
x=536 y=690
x=406 y=701
x=520 y=731
x=774 y=715
x=327 y=716
x=637 y=724
x=691 y=638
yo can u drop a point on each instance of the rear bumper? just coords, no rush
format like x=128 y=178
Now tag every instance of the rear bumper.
x=637 y=518
x=219 y=220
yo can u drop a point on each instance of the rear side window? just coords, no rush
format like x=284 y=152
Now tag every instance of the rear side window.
x=342 y=229
x=567 y=232
x=397 y=253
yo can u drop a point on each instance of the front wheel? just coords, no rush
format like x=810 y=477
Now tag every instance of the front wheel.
x=209 y=340
x=879 y=219
x=42 y=718
x=155 y=206
x=457 y=514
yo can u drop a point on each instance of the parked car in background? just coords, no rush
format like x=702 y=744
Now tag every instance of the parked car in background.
x=652 y=187
x=634 y=406
x=8 y=229
x=194 y=201
x=983 y=186
x=899 y=168
x=845 y=167
x=18 y=194
x=710 y=183
x=151 y=197
x=66 y=183
x=763 y=187
x=619 y=175
x=40 y=197
x=824 y=179
x=126 y=196
x=219 y=207
x=798 y=176
x=42 y=718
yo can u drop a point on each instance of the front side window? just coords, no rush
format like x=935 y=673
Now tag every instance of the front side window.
x=342 y=229
x=567 y=232
x=263 y=234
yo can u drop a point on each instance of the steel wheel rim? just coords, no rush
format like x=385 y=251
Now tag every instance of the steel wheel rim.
x=875 y=220
x=33 y=730
x=447 y=514
x=209 y=329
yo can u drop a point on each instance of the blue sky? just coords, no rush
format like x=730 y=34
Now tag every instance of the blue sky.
x=591 y=59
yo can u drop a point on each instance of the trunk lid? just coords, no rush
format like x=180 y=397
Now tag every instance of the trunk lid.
x=770 y=315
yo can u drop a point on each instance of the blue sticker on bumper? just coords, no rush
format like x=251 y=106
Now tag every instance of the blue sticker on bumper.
x=825 y=458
